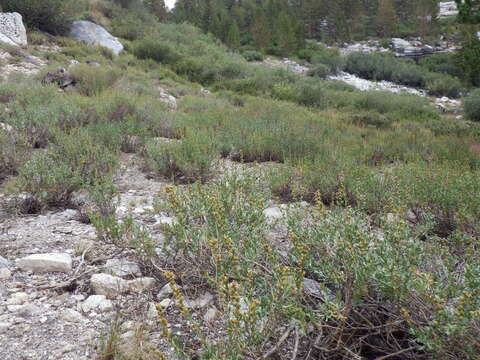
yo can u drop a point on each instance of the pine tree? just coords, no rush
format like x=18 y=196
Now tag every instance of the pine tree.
x=286 y=34
x=157 y=7
x=233 y=36
x=260 y=31
x=387 y=18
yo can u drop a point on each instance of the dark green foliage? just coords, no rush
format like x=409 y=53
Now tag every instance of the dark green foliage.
x=152 y=48
x=46 y=15
x=320 y=70
x=469 y=11
x=472 y=105
x=252 y=55
x=468 y=58
x=443 y=63
x=386 y=67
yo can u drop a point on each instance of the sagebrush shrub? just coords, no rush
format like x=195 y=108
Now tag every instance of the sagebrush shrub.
x=472 y=105
x=92 y=80
x=153 y=48
x=14 y=152
x=185 y=161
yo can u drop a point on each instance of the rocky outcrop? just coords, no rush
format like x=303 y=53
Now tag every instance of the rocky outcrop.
x=416 y=48
x=93 y=34
x=12 y=30
x=447 y=9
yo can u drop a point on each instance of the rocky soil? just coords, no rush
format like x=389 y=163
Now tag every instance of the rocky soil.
x=62 y=290
x=60 y=287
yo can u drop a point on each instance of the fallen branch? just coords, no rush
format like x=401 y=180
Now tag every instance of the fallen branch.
x=280 y=342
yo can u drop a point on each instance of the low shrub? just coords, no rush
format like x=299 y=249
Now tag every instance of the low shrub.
x=49 y=182
x=152 y=48
x=330 y=58
x=76 y=160
x=184 y=161
x=92 y=80
x=319 y=70
x=252 y=55
x=372 y=118
x=386 y=67
x=443 y=85
x=14 y=151
x=472 y=105
x=443 y=63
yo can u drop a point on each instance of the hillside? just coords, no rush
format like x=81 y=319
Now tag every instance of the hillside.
x=164 y=195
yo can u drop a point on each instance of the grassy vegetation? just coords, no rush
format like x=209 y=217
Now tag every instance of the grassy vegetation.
x=386 y=67
x=390 y=233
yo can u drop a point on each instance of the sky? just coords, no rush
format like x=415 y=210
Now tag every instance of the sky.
x=170 y=3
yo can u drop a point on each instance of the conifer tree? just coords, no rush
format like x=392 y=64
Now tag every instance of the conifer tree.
x=233 y=36
x=387 y=18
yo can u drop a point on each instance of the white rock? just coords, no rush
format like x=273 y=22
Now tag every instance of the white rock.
x=165 y=292
x=72 y=316
x=399 y=44
x=5 y=274
x=112 y=286
x=199 y=302
x=93 y=34
x=97 y=303
x=4 y=326
x=152 y=311
x=44 y=263
x=14 y=308
x=273 y=213
x=210 y=315
x=18 y=298
x=140 y=284
x=12 y=30
x=166 y=303
x=315 y=289
x=4 y=262
x=108 y=285
x=123 y=268
x=165 y=220
x=6 y=127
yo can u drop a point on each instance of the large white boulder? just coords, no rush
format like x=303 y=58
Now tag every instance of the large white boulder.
x=400 y=44
x=44 y=263
x=93 y=34
x=12 y=30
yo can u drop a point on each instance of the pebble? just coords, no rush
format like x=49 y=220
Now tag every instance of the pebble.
x=5 y=274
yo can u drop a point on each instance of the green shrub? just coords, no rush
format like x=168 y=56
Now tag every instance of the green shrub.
x=472 y=105
x=443 y=85
x=92 y=80
x=76 y=160
x=328 y=57
x=372 y=119
x=152 y=48
x=386 y=67
x=185 y=161
x=252 y=55
x=46 y=15
x=443 y=63
x=14 y=151
x=319 y=70
x=51 y=183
